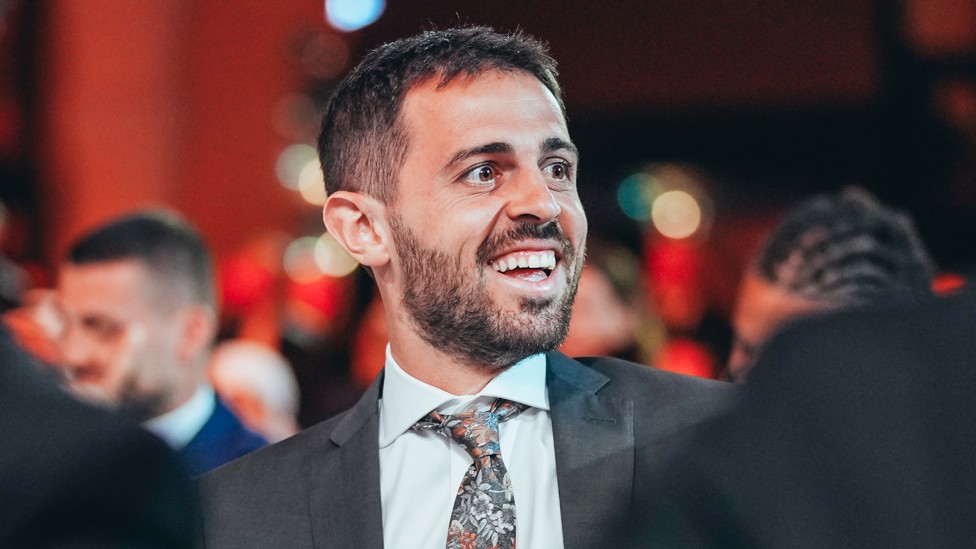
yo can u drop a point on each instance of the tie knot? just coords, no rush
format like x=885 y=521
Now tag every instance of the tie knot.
x=476 y=432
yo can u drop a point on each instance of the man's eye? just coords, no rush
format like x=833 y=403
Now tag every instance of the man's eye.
x=559 y=171
x=102 y=329
x=481 y=175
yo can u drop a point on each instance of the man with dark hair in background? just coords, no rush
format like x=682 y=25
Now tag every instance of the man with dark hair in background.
x=828 y=253
x=451 y=175
x=136 y=298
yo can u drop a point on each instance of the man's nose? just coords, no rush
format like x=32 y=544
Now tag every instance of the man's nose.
x=530 y=198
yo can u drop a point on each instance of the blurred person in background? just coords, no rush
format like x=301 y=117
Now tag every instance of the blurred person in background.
x=135 y=299
x=855 y=431
x=72 y=475
x=309 y=321
x=609 y=314
x=828 y=253
x=258 y=384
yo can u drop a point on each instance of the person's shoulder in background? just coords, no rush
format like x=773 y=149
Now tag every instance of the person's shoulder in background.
x=852 y=433
x=75 y=476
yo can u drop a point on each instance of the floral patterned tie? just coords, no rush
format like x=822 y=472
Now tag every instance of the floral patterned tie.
x=484 y=510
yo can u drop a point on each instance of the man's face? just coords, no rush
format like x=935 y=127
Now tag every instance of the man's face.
x=761 y=309
x=488 y=225
x=120 y=346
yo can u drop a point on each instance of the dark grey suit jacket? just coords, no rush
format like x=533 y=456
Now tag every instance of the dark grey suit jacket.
x=321 y=488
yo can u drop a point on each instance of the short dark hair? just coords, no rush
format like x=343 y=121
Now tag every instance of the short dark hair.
x=163 y=241
x=846 y=249
x=362 y=140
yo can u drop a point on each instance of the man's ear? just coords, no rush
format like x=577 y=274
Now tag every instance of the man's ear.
x=199 y=331
x=358 y=222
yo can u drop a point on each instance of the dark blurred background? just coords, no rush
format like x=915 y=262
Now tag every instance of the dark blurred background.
x=729 y=110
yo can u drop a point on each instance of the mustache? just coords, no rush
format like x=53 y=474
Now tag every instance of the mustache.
x=526 y=230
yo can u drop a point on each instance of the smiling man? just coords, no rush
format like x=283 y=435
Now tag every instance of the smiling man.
x=452 y=177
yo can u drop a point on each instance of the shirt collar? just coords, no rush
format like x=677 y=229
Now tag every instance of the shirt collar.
x=178 y=427
x=407 y=399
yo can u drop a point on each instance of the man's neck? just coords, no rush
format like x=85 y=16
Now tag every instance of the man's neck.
x=178 y=426
x=435 y=368
x=181 y=395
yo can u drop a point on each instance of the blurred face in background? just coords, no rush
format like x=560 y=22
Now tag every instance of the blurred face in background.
x=602 y=324
x=762 y=308
x=123 y=343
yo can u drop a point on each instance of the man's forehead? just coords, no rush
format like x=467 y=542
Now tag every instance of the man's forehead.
x=118 y=284
x=107 y=274
x=490 y=85
x=513 y=109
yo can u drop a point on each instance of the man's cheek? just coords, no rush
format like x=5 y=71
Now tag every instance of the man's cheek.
x=122 y=364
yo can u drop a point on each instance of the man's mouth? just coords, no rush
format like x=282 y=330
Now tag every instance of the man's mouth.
x=531 y=266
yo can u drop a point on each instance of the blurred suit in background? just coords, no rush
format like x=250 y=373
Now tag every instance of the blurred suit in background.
x=857 y=431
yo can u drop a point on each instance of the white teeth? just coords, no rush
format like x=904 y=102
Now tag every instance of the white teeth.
x=537 y=260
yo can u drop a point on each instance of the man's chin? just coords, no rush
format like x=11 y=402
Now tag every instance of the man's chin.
x=94 y=395
x=537 y=305
x=534 y=334
x=133 y=409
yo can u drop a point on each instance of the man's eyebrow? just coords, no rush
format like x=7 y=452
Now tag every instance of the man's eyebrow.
x=553 y=144
x=497 y=147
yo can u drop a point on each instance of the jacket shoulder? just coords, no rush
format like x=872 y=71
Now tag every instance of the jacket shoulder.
x=643 y=380
x=664 y=402
x=260 y=500
x=276 y=460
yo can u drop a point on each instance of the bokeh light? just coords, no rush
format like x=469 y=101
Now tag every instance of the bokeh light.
x=332 y=259
x=311 y=184
x=351 y=15
x=676 y=214
x=299 y=260
x=296 y=117
x=672 y=198
x=636 y=193
x=324 y=56
x=292 y=162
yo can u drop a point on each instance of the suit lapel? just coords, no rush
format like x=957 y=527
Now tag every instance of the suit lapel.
x=594 y=444
x=344 y=484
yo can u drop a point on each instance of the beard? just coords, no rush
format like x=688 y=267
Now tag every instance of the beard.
x=141 y=407
x=126 y=401
x=453 y=312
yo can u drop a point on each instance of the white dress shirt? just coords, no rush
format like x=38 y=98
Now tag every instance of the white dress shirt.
x=420 y=471
x=178 y=427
